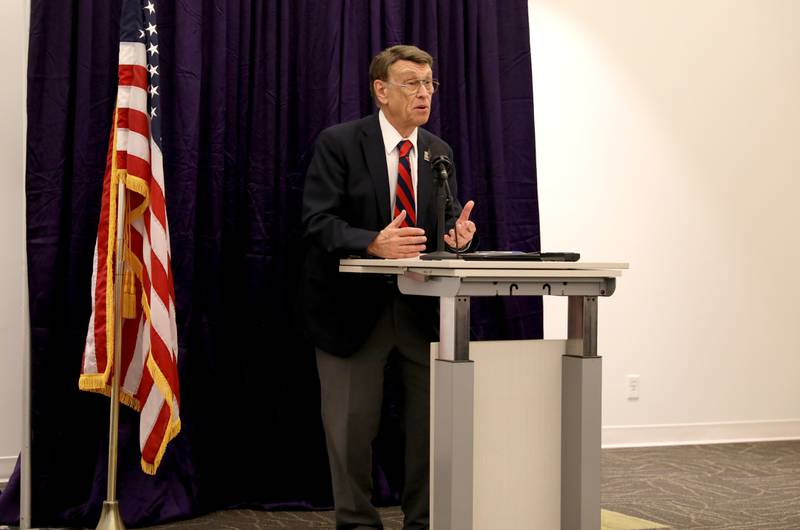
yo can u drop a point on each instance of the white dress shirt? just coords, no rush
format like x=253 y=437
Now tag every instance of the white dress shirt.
x=390 y=140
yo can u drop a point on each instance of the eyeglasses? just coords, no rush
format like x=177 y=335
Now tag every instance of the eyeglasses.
x=412 y=87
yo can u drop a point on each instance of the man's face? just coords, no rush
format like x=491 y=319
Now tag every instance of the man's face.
x=405 y=110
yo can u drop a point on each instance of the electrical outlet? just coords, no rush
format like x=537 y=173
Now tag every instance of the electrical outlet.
x=633 y=387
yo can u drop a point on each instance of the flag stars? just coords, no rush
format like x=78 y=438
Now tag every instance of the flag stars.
x=150 y=7
x=153 y=113
x=153 y=49
x=152 y=69
x=153 y=90
x=141 y=34
x=151 y=28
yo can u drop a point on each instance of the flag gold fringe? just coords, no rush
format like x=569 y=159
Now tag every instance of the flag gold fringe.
x=174 y=426
x=112 y=241
x=95 y=383
x=139 y=185
x=99 y=382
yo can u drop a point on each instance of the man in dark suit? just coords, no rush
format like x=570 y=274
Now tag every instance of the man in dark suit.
x=369 y=191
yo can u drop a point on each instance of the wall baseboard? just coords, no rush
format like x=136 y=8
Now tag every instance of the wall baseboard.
x=700 y=433
x=7 y=464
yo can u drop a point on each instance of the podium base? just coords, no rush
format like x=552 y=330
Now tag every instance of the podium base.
x=440 y=254
x=110 y=518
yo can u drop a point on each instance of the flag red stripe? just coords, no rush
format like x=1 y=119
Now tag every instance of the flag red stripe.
x=133 y=75
x=137 y=243
x=130 y=332
x=135 y=166
x=157 y=204
x=153 y=443
x=158 y=278
x=163 y=358
x=135 y=120
x=145 y=385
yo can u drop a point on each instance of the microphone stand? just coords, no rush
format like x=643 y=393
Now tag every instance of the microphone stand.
x=444 y=201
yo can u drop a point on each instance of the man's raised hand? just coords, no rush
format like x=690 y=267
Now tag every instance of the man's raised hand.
x=395 y=241
x=466 y=229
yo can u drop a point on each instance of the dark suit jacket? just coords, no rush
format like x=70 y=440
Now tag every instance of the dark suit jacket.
x=345 y=205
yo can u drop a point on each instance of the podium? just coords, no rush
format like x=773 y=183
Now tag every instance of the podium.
x=454 y=282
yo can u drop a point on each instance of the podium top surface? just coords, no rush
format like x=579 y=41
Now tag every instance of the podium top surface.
x=501 y=268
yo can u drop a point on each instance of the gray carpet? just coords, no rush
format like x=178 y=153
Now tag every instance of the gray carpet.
x=745 y=486
x=748 y=486
x=254 y=520
x=711 y=487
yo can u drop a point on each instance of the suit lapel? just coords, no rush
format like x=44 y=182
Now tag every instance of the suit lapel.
x=375 y=155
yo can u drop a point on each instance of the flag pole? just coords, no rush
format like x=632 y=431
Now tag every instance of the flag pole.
x=110 y=518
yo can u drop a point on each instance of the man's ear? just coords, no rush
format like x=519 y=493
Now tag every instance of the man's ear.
x=379 y=87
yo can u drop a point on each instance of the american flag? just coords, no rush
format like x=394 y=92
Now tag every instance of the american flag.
x=149 y=373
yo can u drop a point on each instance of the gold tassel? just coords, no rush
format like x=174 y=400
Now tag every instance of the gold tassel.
x=129 y=279
x=128 y=295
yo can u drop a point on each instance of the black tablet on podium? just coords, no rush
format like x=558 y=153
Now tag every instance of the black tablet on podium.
x=516 y=255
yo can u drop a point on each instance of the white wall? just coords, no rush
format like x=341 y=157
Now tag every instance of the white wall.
x=668 y=135
x=13 y=321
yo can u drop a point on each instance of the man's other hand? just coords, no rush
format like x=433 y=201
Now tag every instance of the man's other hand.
x=396 y=242
x=466 y=229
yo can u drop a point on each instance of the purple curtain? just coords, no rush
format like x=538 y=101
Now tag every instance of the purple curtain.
x=245 y=88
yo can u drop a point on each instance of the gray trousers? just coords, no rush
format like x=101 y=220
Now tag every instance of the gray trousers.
x=352 y=395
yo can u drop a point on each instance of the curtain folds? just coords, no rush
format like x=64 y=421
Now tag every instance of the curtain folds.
x=246 y=86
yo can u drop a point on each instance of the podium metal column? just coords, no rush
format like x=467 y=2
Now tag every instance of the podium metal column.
x=454 y=409
x=581 y=418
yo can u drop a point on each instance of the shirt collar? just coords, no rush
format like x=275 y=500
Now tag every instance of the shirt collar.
x=390 y=135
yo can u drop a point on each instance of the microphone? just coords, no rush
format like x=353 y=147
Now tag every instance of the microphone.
x=442 y=166
x=440 y=162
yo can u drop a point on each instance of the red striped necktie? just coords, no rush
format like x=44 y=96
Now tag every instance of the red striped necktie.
x=404 y=193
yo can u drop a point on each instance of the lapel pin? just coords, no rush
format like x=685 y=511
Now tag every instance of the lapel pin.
x=426 y=155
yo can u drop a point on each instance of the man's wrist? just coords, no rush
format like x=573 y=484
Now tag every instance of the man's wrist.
x=461 y=249
x=372 y=248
